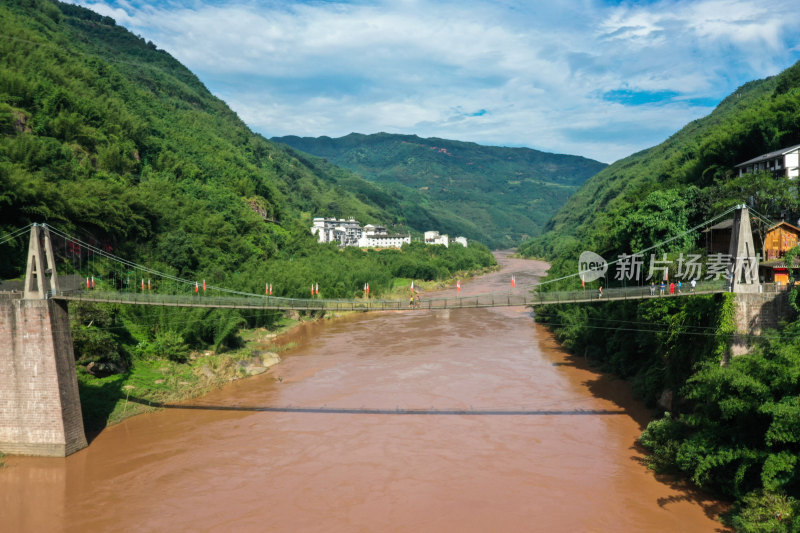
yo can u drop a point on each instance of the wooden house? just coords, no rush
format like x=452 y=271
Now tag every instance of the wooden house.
x=779 y=239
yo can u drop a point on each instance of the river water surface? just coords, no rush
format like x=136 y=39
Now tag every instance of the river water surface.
x=466 y=420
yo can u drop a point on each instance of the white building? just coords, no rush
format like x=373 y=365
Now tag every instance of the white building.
x=369 y=229
x=344 y=232
x=378 y=237
x=383 y=240
x=782 y=163
x=433 y=237
x=461 y=240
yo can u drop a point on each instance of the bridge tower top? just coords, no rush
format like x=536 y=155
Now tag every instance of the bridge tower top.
x=40 y=252
x=743 y=272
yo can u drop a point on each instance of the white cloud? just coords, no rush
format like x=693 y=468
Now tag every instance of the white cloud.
x=539 y=71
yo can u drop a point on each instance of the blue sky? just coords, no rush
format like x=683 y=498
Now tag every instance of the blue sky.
x=592 y=78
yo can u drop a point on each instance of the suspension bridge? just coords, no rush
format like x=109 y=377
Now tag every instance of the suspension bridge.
x=156 y=288
x=40 y=411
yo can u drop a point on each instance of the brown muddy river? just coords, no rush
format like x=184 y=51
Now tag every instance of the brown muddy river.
x=462 y=421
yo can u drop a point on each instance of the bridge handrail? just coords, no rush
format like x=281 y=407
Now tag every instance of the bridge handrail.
x=494 y=299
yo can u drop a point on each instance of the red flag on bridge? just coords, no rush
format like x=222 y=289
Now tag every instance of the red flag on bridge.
x=148 y=284
x=270 y=289
x=513 y=282
x=142 y=283
x=317 y=288
x=204 y=285
x=196 y=287
x=87 y=283
x=458 y=285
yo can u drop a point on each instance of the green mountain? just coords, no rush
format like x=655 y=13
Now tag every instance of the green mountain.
x=114 y=141
x=696 y=164
x=499 y=196
x=90 y=111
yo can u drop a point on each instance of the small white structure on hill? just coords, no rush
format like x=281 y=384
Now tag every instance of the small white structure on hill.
x=433 y=237
x=344 y=232
x=782 y=163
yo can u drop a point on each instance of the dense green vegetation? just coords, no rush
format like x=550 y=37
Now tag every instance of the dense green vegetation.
x=761 y=116
x=729 y=426
x=111 y=140
x=499 y=196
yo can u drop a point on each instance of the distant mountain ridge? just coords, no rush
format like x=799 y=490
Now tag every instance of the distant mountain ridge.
x=497 y=195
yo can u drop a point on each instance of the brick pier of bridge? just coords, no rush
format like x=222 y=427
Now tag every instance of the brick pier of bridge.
x=40 y=409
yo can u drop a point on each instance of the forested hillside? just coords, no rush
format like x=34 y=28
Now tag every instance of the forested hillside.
x=729 y=426
x=102 y=130
x=112 y=140
x=499 y=196
x=695 y=164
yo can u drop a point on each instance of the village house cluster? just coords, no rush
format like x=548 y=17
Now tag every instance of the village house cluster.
x=350 y=233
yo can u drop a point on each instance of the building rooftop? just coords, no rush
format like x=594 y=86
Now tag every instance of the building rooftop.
x=770 y=155
x=725 y=224
x=784 y=223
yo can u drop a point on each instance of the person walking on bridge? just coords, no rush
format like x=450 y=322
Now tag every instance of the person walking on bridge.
x=652 y=288
x=672 y=288
x=661 y=288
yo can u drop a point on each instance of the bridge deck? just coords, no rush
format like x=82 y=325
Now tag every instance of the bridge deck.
x=519 y=297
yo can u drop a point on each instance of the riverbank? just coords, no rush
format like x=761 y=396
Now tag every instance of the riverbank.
x=106 y=401
x=465 y=420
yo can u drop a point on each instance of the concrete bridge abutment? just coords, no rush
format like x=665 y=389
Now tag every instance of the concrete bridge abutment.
x=40 y=410
x=754 y=313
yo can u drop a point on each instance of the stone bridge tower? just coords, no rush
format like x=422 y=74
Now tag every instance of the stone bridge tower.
x=40 y=410
x=755 y=309
x=743 y=272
